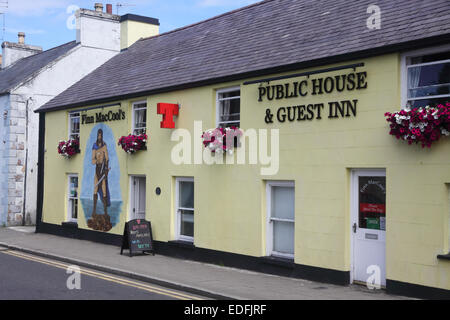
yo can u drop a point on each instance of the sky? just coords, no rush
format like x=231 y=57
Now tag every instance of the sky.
x=45 y=21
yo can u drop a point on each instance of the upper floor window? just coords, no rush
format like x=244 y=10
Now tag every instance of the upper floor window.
x=139 y=117
x=74 y=125
x=428 y=79
x=229 y=107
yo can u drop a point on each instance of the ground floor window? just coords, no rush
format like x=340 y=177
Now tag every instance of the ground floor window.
x=280 y=219
x=73 y=198
x=184 y=205
x=138 y=197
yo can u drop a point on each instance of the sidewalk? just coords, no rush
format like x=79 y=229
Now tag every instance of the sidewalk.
x=199 y=278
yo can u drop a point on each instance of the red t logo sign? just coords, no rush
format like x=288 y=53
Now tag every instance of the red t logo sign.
x=168 y=110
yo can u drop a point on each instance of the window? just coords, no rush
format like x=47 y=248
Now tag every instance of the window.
x=185 y=208
x=73 y=198
x=74 y=125
x=229 y=107
x=427 y=79
x=137 y=197
x=139 y=117
x=281 y=213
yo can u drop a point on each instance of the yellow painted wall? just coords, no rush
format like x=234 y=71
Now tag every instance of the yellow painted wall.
x=132 y=31
x=230 y=213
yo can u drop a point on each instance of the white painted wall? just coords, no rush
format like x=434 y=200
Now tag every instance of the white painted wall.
x=12 y=52
x=4 y=145
x=98 y=29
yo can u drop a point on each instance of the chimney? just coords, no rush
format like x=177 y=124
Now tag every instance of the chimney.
x=98 y=29
x=109 y=8
x=98 y=7
x=134 y=27
x=12 y=52
x=21 y=38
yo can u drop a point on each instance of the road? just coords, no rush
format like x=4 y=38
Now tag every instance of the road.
x=27 y=277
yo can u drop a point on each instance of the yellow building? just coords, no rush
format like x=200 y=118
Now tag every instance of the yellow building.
x=315 y=187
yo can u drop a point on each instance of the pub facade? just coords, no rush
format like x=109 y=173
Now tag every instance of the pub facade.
x=286 y=168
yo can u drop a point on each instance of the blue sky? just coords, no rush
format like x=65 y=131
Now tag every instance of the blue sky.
x=45 y=21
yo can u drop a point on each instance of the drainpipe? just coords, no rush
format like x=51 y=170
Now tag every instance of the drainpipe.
x=25 y=164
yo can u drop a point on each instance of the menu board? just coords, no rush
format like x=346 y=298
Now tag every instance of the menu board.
x=137 y=237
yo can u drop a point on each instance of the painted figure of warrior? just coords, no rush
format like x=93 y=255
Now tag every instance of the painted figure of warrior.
x=100 y=159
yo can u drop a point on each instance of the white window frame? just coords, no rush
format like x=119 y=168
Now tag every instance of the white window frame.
x=71 y=116
x=405 y=63
x=69 y=198
x=133 y=115
x=179 y=236
x=218 y=100
x=269 y=224
x=131 y=214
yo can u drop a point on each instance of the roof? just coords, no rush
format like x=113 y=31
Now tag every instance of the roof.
x=273 y=35
x=23 y=69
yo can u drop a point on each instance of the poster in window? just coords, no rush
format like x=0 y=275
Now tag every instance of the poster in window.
x=372 y=203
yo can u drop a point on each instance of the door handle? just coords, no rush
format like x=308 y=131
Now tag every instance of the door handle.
x=354 y=227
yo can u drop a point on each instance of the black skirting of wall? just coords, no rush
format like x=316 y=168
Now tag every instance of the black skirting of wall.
x=183 y=250
x=417 y=291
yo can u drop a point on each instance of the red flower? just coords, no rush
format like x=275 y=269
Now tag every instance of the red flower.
x=133 y=143
x=422 y=125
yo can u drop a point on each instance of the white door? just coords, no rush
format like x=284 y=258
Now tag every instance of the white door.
x=368 y=229
x=137 y=209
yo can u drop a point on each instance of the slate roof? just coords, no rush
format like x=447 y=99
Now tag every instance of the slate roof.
x=256 y=40
x=25 y=68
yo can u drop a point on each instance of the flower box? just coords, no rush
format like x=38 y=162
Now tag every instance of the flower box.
x=222 y=140
x=68 y=148
x=423 y=125
x=133 y=143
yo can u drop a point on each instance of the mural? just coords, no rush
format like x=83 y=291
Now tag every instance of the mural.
x=101 y=197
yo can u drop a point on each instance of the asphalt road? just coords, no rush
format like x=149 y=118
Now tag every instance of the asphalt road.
x=28 y=277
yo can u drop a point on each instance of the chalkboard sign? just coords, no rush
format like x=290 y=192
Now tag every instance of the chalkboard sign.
x=137 y=237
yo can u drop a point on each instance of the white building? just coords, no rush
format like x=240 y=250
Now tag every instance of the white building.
x=30 y=77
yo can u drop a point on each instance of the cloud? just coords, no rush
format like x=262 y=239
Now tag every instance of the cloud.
x=27 y=31
x=35 y=8
x=225 y=3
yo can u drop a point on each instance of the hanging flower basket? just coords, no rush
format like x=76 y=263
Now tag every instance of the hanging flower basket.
x=68 y=148
x=133 y=143
x=216 y=139
x=422 y=125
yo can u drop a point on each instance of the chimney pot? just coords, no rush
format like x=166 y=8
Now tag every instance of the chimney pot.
x=21 y=37
x=109 y=8
x=98 y=7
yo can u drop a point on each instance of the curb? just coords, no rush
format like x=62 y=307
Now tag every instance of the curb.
x=127 y=274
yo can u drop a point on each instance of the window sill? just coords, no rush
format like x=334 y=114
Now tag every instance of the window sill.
x=444 y=256
x=70 y=225
x=182 y=244
x=279 y=261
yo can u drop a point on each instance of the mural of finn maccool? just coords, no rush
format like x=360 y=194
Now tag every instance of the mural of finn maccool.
x=100 y=159
x=101 y=195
